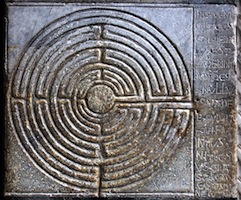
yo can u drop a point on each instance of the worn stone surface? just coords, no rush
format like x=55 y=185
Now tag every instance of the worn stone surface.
x=214 y=78
x=121 y=100
x=239 y=94
x=232 y=2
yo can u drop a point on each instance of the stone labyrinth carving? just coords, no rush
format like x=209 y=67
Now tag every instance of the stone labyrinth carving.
x=100 y=99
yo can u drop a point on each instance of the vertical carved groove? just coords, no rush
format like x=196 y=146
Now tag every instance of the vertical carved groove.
x=109 y=96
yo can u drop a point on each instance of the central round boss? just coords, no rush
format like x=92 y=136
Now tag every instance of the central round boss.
x=67 y=132
x=100 y=99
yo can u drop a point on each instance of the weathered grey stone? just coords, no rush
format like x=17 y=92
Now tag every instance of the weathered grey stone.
x=232 y=2
x=215 y=98
x=121 y=100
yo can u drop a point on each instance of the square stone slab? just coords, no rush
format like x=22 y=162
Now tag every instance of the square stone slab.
x=121 y=100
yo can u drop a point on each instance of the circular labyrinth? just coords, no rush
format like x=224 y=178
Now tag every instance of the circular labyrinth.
x=100 y=99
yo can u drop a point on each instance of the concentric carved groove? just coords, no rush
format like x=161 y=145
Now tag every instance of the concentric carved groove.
x=135 y=76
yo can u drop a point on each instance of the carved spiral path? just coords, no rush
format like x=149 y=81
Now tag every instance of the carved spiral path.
x=100 y=99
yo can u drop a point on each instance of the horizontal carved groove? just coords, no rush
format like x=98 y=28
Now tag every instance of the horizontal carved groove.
x=132 y=67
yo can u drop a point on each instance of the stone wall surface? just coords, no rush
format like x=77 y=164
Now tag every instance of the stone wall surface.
x=131 y=99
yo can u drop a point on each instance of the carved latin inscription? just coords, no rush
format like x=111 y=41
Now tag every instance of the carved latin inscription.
x=215 y=173
x=121 y=100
